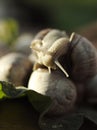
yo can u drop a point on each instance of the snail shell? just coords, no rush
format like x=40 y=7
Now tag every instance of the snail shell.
x=61 y=90
x=91 y=90
x=15 y=68
x=82 y=57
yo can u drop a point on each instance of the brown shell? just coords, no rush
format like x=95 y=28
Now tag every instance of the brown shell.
x=83 y=58
x=91 y=90
x=61 y=90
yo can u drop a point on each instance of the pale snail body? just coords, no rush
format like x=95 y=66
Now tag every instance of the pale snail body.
x=48 y=37
x=50 y=48
x=61 y=90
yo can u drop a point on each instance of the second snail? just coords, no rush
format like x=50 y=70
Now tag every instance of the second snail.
x=64 y=68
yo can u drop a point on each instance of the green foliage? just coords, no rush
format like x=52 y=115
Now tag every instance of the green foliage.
x=68 y=14
x=71 y=121
x=39 y=102
x=2 y=94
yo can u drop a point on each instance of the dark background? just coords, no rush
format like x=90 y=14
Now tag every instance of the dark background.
x=62 y=14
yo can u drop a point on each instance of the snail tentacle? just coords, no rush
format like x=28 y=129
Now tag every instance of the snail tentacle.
x=61 y=67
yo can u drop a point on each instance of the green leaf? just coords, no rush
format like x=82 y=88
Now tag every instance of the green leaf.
x=40 y=102
x=2 y=94
x=8 y=90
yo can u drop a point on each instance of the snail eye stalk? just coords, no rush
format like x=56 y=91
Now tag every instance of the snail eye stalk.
x=60 y=66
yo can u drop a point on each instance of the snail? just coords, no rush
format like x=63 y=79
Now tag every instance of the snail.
x=75 y=53
x=53 y=82
x=15 y=68
x=61 y=90
x=50 y=48
x=65 y=57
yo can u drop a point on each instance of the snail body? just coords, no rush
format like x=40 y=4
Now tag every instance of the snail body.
x=61 y=90
x=50 y=48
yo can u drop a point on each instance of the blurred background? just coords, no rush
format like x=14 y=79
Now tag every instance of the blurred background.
x=33 y=15
x=64 y=14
